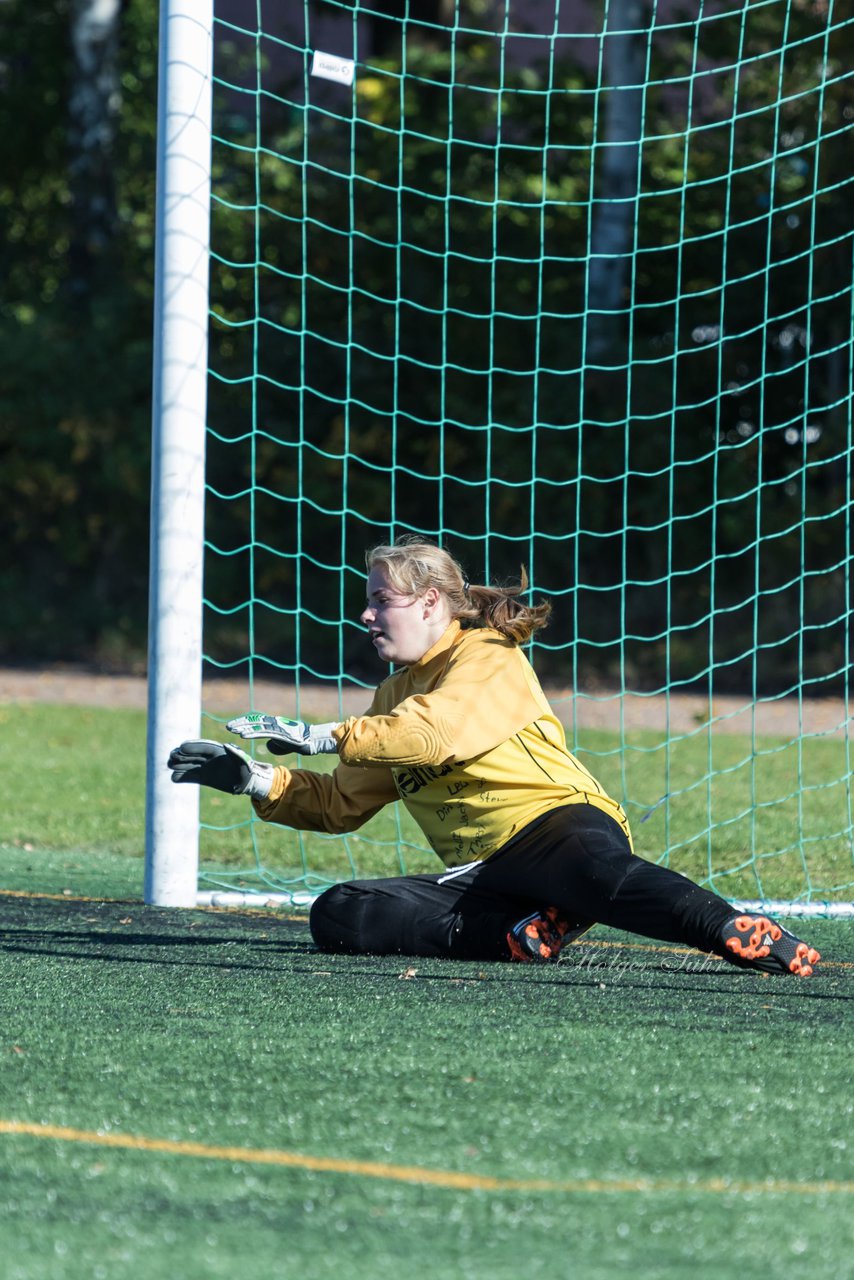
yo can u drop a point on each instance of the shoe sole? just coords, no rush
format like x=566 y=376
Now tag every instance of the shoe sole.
x=537 y=948
x=762 y=938
x=548 y=936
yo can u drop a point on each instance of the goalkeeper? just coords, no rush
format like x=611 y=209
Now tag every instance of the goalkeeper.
x=535 y=851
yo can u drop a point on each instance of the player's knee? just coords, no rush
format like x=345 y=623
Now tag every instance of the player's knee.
x=349 y=917
x=383 y=917
x=330 y=921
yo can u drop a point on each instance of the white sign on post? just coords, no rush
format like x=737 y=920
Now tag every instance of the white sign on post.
x=330 y=67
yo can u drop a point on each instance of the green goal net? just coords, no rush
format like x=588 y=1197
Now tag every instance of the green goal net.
x=563 y=285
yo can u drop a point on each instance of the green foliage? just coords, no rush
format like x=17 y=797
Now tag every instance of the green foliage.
x=416 y=310
x=75 y=379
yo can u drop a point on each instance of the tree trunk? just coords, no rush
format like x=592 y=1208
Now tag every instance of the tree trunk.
x=94 y=101
x=616 y=180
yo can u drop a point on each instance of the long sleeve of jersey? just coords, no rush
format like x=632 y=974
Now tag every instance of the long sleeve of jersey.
x=335 y=802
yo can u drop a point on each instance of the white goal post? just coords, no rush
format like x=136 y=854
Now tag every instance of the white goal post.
x=181 y=312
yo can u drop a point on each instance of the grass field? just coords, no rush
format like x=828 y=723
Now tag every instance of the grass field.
x=202 y=1094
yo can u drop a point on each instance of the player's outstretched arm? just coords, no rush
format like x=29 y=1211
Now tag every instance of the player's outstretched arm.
x=222 y=766
x=284 y=736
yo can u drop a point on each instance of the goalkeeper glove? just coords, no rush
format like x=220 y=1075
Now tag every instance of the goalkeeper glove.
x=223 y=766
x=286 y=735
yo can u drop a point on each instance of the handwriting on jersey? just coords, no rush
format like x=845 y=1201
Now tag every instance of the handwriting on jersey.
x=410 y=781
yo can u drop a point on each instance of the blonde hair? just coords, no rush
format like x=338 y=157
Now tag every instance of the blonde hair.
x=412 y=566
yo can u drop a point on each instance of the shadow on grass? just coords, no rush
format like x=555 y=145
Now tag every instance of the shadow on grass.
x=133 y=933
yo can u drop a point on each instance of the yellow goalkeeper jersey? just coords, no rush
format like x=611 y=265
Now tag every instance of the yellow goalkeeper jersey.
x=465 y=738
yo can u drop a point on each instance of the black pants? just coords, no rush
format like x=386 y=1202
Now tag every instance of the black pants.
x=575 y=858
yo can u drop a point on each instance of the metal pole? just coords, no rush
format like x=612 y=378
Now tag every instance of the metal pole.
x=178 y=442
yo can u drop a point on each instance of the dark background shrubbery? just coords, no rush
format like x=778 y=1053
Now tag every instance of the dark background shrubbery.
x=423 y=357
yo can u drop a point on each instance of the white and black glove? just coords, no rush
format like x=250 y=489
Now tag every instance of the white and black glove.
x=222 y=766
x=284 y=736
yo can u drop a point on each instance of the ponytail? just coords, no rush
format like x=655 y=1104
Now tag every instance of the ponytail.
x=500 y=608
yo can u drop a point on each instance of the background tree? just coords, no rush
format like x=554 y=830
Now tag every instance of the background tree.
x=411 y=337
x=616 y=187
x=94 y=107
x=76 y=236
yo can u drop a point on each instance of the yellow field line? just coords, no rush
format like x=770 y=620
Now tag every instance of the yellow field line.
x=411 y=1173
x=65 y=897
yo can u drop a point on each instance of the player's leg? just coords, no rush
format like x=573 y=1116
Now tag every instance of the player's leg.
x=577 y=858
x=426 y=915
x=572 y=867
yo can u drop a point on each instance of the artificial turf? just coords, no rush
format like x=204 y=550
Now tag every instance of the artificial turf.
x=203 y=1094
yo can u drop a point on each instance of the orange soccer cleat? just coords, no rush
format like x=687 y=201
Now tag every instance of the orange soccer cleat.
x=756 y=942
x=542 y=936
